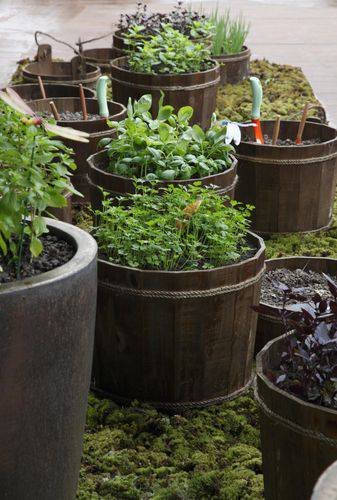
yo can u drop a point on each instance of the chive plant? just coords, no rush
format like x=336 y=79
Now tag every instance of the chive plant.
x=230 y=33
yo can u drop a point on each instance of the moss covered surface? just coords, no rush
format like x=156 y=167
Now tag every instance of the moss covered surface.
x=285 y=91
x=139 y=453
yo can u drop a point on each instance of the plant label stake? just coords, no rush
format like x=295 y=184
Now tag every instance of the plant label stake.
x=42 y=89
x=256 y=106
x=54 y=111
x=276 y=130
x=83 y=103
x=101 y=96
x=302 y=124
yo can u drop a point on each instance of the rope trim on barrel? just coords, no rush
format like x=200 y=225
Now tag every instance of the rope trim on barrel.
x=177 y=406
x=168 y=88
x=225 y=61
x=186 y=294
x=290 y=161
x=291 y=425
x=228 y=188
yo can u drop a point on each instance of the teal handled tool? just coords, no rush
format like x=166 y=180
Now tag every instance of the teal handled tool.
x=101 y=96
x=256 y=106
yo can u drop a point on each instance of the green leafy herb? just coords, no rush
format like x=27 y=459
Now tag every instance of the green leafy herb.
x=167 y=52
x=166 y=148
x=230 y=34
x=34 y=175
x=180 y=228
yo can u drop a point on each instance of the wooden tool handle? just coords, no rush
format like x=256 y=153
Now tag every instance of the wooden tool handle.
x=54 y=111
x=276 y=130
x=83 y=102
x=302 y=124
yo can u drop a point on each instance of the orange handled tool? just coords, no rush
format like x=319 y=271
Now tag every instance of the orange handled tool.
x=256 y=107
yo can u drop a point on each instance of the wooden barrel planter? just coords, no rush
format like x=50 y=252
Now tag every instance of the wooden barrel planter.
x=31 y=91
x=291 y=187
x=117 y=185
x=299 y=439
x=198 y=90
x=177 y=339
x=326 y=486
x=74 y=72
x=100 y=57
x=98 y=129
x=270 y=327
x=234 y=67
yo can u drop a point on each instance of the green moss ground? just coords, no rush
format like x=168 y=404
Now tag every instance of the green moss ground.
x=139 y=453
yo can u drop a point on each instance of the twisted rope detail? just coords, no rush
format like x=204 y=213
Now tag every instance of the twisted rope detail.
x=167 y=88
x=290 y=161
x=177 y=407
x=291 y=425
x=186 y=294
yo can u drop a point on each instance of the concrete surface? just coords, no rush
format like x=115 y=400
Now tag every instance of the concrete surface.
x=298 y=32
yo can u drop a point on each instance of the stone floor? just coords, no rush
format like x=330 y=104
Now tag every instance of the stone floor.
x=298 y=32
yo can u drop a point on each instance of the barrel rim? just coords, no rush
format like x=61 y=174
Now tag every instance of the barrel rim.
x=91 y=70
x=91 y=159
x=231 y=57
x=162 y=75
x=88 y=99
x=293 y=258
x=271 y=387
x=260 y=249
x=289 y=149
x=86 y=252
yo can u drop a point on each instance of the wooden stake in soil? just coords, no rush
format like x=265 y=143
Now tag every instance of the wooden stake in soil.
x=42 y=89
x=83 y=103
x=276 y=130
x=302 y=124
x=54 y=111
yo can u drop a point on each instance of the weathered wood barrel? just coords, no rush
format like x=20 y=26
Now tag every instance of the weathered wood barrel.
x=64 y=214
x=98 y=129
x=299 y=439
x=326 y=486
x=31 y=91
x=177 y=339
x=62 y=72
x=100 y=57
x=198 y=89
x=234 y=67
x=117 y=185
x=270 y=326
x=291 y=187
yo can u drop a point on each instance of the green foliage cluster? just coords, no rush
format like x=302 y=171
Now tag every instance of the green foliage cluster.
x=167 y=52
x=34 y=175
x=138 y=453
x=230 y=34
x=285 y=92
x=165 y=148
x=178 y=228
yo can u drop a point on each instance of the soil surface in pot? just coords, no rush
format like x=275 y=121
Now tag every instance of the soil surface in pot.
x=72 y=116
x=307 y=283
x=287 y=142
x=55 y=253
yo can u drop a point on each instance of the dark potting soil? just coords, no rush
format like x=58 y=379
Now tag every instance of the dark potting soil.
x=288 y=142
x=55 y=253
x=307 y=283
x=72 y=116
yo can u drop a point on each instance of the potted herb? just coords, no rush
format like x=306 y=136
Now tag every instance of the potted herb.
x=193 y=24
x=297 y=394
x=302 y=273
x=166 y=149
x=47 y=303
x=229 y=47
x=179 y=271
x=169 y=62
x=90 y=115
